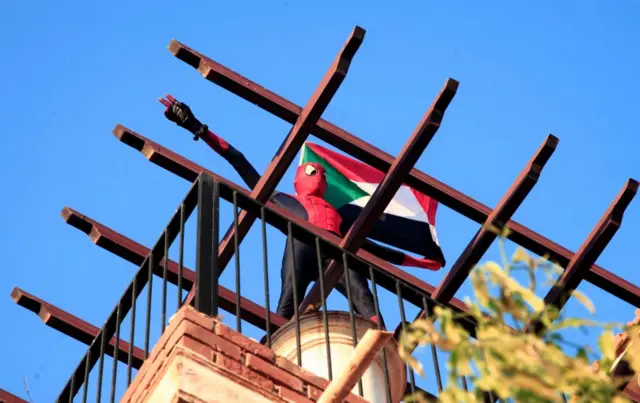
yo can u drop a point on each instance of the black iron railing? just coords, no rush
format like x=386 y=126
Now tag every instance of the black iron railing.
x=154 y=263
x=205 y=195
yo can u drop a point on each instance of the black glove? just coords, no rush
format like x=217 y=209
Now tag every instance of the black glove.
x=181 y=114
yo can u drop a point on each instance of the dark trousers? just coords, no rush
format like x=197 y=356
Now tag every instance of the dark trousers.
x=306 y=272
x=306 y=261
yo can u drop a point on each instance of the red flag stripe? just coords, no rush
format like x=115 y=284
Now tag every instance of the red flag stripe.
x=359 y=172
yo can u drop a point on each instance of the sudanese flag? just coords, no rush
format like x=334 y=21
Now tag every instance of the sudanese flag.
x=408 y=222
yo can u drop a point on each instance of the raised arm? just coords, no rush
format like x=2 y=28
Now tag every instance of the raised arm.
x=181 y=114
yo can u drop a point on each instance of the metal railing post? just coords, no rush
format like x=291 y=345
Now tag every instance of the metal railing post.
x=205 y=259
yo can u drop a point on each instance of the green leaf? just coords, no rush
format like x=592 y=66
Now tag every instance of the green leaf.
x=516 y=365
x=557 y=337
x=491 y=228
x=520 y=256
x=582 y=354
x=606 y=342
x=584 y=300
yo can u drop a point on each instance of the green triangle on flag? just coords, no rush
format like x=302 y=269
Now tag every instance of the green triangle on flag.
x=408 y=221
x=340 y=190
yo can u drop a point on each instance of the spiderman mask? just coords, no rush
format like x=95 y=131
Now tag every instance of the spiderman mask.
x=310 y=180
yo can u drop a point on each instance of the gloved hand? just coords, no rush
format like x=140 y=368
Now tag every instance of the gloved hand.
x=180 y=114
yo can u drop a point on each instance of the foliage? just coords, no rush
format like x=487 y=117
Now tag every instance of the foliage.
x=509 y=359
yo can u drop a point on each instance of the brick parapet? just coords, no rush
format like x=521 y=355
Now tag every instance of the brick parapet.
x=227 y=352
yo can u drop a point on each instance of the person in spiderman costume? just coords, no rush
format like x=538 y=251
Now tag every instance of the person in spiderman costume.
x=310 y=184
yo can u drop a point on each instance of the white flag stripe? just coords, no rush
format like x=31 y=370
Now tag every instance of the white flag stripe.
x=434 y=234
x=302 y=154
x=403 y=204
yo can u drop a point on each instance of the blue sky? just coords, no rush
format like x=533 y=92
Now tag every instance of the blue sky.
x=72 y=70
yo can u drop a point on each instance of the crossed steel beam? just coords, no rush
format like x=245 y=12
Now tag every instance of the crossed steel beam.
x=482 y=240
x=189 y=170
x=578 y=266
x=278 y=166
x=575 y=272
x=589 y=251
x=362 y=227
x=135 y=253
x=358 y=148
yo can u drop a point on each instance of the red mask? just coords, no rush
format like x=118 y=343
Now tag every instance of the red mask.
x=311 y=180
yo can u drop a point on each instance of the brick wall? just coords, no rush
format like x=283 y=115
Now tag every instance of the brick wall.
x=210 y=348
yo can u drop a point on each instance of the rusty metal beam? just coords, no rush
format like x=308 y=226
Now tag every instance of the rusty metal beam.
x=589 y=251
x=500 y=215
x=135 y=253
x=483 y=239
x=632 y=391
x=167 y=159
x=307 y=118
x=411 y=152
x=73 y=326
x=358 y=148
x=189 y=170
x=6 y=397
x=364 y=353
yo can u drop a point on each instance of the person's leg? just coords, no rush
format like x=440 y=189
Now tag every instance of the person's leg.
x=303 y=261
x=361 y=296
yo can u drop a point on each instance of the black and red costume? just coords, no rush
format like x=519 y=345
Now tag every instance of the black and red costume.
x=310 y=184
